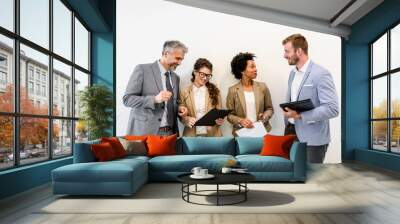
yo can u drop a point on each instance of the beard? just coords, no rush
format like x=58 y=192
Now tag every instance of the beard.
x=293 y=60
x=172 y=67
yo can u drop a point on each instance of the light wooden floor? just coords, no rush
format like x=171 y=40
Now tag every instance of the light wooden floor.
x=377 y=188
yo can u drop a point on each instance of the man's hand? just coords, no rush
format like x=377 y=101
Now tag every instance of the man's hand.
x=182 y=111
x=163 y=96
x=246 y=123
x=189 y=121
x=219 y=121
x=289 y=113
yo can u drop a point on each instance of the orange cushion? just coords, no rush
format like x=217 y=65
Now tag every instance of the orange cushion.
x=277 y=145
x=116 y=145
x=161 y=145
x=136 y=137
x=103 y=151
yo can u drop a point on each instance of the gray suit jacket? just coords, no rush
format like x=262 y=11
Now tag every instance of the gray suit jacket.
x=145 y=83
x=317 y=85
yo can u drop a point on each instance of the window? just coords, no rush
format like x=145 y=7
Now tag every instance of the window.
x=46 y=122
x=385 y=94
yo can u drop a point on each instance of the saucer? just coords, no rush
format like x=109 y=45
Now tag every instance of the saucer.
x=208 y=176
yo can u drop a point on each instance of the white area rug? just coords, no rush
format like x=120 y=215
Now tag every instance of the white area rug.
x=166 y=198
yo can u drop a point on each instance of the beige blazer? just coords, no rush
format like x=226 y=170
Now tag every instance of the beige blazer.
x=186 y=99
x=236 y=101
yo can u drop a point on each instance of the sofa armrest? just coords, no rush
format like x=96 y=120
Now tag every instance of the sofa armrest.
x=298 y=156
x=83 y=152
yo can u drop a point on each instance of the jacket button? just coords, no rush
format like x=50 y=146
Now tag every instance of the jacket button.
x=159 y=119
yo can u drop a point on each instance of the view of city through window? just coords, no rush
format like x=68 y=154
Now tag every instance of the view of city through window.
x=41 y=83
x=385 y=91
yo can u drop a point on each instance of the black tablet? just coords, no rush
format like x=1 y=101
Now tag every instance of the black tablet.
x=299 y=106
x=209 y=118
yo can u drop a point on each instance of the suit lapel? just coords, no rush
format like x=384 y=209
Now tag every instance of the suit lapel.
x=304 y=79
x=257 y=96
x=291 y=77
x=240 y=94
x=157 y=76
x=191 y=96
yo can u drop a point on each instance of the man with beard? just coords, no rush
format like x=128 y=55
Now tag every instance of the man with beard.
x=153 y=91
x=309 y=81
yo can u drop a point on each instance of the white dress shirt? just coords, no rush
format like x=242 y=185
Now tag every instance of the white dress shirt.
x=251 y=112
x=298 y=77
x=164 y=120
x=199 y=95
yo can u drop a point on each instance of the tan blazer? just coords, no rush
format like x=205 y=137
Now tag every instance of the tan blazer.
x=186 y=99
x=236 y=101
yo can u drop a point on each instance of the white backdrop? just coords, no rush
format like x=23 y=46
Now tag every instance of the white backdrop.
x=143 y=26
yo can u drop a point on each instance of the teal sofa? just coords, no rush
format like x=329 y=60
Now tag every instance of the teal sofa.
x=125 y=176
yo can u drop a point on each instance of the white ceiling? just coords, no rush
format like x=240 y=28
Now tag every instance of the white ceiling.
x=326 y=16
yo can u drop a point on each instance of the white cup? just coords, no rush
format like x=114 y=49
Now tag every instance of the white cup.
x=196 y=171
x=203 y=172
x=226 y=170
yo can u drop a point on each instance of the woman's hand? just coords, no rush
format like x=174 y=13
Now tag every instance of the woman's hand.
x=219 y=121
x=189 y=121
x=182 y=111
x=246 y=123
x=263 y=117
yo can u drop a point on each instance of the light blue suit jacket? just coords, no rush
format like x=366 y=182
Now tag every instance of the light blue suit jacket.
x=317 y=85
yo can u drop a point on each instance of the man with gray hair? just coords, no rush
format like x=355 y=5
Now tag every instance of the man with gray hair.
x=152 y=93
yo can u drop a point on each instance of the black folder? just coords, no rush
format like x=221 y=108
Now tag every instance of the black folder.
x=299 y=106
x=209 y=118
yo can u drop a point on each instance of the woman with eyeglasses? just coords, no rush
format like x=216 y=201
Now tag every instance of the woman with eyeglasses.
x=249 y=100
x=200 y=97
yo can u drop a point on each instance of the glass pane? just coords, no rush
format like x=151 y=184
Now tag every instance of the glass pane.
x=7 y=14
x=379 y=135
x=62 y=89
x=33 y=139
x=395 y=94
x=62 y=138
x=34 y=81
x=395 y=47
x=81 y=81
x=6 y=142
x=62 y=29
x=379 y=55
x=81 y=131
x=81 y=45
x=6 y=74
x=395 y=136
x=35 y=21
x=379 y=97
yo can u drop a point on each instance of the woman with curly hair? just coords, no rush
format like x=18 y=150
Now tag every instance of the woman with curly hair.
x=249 y=100
x=200 y=97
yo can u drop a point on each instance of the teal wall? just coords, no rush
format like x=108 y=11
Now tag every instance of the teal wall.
x=99 y=16
x=356 y=85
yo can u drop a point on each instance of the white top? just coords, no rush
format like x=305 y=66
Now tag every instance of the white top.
x=199 y=95
x=164 y=121
x=298 y=77
x=251 y=112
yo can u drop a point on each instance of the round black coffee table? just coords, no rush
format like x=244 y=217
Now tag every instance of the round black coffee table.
x=238 y=179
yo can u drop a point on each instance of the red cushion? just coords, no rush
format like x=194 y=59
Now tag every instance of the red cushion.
x=116 y=145
x=277 y=145
x=161 y=145
x=103 y=151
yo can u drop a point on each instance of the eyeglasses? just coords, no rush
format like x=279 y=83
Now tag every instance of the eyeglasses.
x=205 y=75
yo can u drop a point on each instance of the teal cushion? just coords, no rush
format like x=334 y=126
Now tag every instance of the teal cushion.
x=111 y=171
x=185 y=163
x=257 y=163
x=206 y=145
x=83 y=152
x=249 y=145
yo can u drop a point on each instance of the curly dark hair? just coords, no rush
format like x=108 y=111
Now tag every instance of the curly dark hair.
x=213 y=91
x=239 y=63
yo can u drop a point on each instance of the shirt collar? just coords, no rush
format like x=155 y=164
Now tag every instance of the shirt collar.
x=162 y=69
x=201 y=88
x=304 y=68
